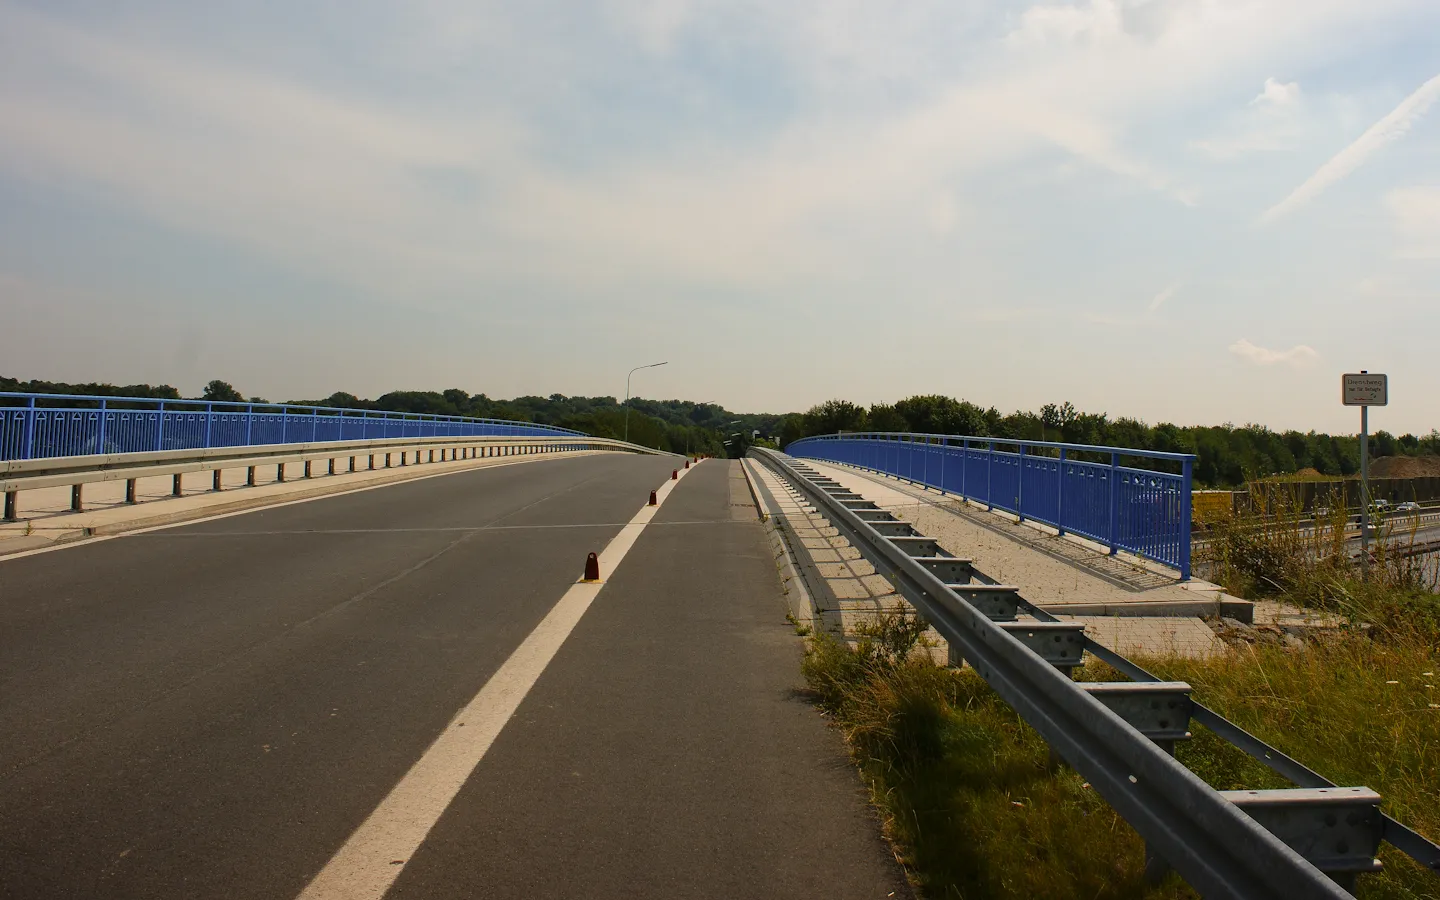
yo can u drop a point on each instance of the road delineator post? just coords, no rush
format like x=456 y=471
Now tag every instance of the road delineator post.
x=592 y=569
x=687 y=463
x=653 y=501
x=674 y=474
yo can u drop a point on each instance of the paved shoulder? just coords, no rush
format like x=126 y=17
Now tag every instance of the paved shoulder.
x=666 y=752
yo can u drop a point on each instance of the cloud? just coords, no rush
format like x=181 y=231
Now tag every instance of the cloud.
x=1277 y=94
x=1416 y=215
x=1298 y=356
x=1389 y=129
x=1159 y=299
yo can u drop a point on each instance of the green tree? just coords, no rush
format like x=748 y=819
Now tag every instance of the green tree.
x=218 y=391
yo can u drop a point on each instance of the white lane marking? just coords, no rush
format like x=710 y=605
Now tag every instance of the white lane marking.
x=66 y=545
x=370 y=861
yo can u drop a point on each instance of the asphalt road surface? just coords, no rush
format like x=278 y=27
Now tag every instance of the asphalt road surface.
x=212 y=710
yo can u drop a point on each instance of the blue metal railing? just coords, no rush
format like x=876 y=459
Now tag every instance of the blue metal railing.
x=1066 y=486
x=48 y=425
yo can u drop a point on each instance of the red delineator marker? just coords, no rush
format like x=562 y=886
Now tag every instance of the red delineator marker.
x=674 y=474
x=687 y=463
x=592 y=568
x=653 y=501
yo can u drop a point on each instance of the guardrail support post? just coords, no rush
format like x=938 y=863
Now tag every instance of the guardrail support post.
x=307 y=468
x=12 y=500
x=250 y=476
x=387 y=460
x=215 y=484
x=176 y=488
x=280 y=472
x=332 y=466
x=352 y=463
x=77 y=502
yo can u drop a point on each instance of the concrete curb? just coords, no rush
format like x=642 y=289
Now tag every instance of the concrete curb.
x=797 y=594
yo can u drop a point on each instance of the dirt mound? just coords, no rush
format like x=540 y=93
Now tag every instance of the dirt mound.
x=1405 y=467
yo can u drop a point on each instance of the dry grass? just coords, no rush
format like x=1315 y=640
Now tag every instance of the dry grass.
x=977 y=810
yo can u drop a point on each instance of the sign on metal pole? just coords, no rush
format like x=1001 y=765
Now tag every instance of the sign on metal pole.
x=1364 y=389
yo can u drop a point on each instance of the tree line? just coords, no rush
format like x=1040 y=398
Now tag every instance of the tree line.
x=1226 y=455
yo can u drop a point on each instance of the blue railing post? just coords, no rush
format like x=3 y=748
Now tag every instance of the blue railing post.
x=314 y=423
x=1060 y=495
x=249 y=422
x=209 y=420
x=990 y=478
x=1020 y=486
x=943 y=443
x=1114 y=503
x=29 y=429
x=1186 y=498
x=100 y=430
x=964 y=465
x=160 y=426
x=284 y=424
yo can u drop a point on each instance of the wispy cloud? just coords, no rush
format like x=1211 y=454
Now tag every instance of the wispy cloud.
x=1391 y=128
x=1416 y=212
x=1277 y=94
x=1298 y=356
x=1160 y=299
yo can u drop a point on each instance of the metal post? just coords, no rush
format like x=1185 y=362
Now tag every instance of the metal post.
x=332 y=465
x=314 y=424
x=12 y=500
x=307 y=468
x=941 y=486
x=352 y=463
x=1365 y=492
x=160 y=426
x=250 y=476
x=1114 y=503
x=29 y=430
x=176 y=488
x=215 y=484
x=1060 y=495
x=280 y=472
x=1020 y=486
x=209 y=420
x=100 y=432
x=130 y=490
x=249 y=423
x=284 y=425
x=77 y=503
x=1186 y=498
x=990 y=478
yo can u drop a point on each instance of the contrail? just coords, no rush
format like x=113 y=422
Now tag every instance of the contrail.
x=1391 y=128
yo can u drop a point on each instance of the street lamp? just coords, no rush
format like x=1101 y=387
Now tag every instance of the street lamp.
x=627 y=395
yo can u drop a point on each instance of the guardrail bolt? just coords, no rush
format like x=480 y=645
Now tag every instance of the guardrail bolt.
x=592 y=568
x=653 y=501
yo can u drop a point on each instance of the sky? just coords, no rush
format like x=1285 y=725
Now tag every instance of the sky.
x=1196 y=211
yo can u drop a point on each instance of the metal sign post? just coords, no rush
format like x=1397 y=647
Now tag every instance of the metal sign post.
x=1364 y=390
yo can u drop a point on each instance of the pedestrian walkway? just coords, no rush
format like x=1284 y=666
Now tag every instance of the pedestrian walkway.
x=1117 y=600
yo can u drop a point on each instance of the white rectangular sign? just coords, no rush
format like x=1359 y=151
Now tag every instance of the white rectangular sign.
x=1364 y=390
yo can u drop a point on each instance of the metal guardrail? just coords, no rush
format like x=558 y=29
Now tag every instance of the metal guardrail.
x=1219 y=849
x=1138 y=510
x=76 y=471
x=44 y=425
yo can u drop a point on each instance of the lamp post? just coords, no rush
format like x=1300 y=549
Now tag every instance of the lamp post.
x=627 y=395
